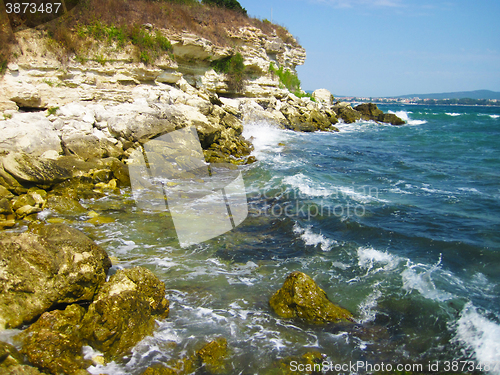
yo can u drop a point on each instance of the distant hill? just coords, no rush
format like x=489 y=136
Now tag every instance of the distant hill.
x=478 y=94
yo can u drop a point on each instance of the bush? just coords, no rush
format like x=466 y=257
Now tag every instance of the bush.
x=233 y=68
x=287 y=78
x=229 y=4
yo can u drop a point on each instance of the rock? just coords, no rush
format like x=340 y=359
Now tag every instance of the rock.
x=20 y=370
x=309 y=362
x=9 y=355
x=27 y=168
x=391 y=118
x=347 y=114
x=54 y=342
x=49 y=266
x=26 y=95
x=211 y=358
x=31 y=133
x=65 y=204
x=89 y=146
x=323 y=96
x=124 y=311
x=4 y=193
x=300 y=297
x=31 y=202
x=369 y=111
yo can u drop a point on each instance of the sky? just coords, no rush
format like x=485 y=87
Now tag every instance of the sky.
x=391 y=47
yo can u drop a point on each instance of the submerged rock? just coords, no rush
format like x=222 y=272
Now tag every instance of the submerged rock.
x=211 y=358
x=124 y=311
x=310 y=363
x=300 y=297
x=49 y=266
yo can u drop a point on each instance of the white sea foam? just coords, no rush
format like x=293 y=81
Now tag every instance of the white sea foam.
x=480 y=335
x=494 y=116
x=313 y=239
x=453 y=114
x=264 y=137
x=361 y=196
x=306 y=185
x=367 y=311
x=372 y=259
x=403 y=115
x=419 y=277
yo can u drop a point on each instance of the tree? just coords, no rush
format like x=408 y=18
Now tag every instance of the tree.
x=229 y=4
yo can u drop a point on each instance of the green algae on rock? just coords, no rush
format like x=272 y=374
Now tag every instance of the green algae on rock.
x=300 y=297
x=54 y=342
x=211 y=358
x=49 y=266
x=124 y=311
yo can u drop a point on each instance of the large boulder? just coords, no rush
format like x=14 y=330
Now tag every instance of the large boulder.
x=346 y=113
x=44 y=268
x=391 y=118
x=323 y=96
x=300 y=297
x=54 y=342
x=27 y=168
x=124 y=311
x=369 y=111
x=32 y=133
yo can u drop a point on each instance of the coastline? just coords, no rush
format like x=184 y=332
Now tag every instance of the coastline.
x=67 y=133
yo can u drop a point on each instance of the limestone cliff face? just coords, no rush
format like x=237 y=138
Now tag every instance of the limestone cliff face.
x=37 y=79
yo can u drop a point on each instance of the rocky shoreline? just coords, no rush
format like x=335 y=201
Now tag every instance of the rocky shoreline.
x=66 y=132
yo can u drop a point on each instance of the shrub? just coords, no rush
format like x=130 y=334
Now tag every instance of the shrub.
x=287 y=78
x=234 y=69
x=229 y=4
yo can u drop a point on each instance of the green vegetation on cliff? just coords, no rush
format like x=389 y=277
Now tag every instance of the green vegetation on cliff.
x=123 y=22
x=234 y=69
x=229 y=4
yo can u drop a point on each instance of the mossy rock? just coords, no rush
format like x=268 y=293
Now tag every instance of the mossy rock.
x=9 y=355
x=54 y=342
x=347 y=114
x=65 y=204
x=46 y=267
x=210 y=359
x=300 y=297
x=212 y=356
x=310 y=362
x=369 y=111
x=391 y=118
x=124 y=311
x=20 y=370
x=35 y=170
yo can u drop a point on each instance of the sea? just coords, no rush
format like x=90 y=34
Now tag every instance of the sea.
x=398 y=224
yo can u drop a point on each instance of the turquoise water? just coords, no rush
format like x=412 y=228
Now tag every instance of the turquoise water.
x=400 y=225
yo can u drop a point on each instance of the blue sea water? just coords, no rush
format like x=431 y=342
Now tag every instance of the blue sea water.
x=400 y=225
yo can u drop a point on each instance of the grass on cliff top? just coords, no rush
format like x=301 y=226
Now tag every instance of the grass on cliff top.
x=116 y=21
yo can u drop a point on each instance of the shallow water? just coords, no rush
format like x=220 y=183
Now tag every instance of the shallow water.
x=400 y=225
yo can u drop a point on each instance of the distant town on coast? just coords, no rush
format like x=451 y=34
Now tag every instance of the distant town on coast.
x=479 y=97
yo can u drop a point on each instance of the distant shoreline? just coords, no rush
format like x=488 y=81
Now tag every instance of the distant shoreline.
x=421 y=104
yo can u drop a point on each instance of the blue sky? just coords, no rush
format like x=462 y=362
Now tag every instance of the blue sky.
x=392 y=47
